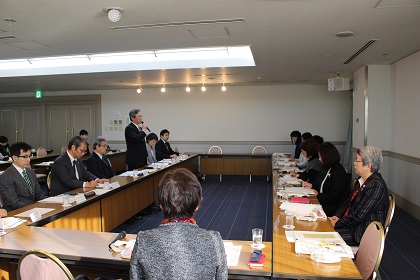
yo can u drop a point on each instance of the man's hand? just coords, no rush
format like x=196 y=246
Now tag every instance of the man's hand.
x=3 y=213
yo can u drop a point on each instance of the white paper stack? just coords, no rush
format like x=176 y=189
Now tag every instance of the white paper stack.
x=232 y=253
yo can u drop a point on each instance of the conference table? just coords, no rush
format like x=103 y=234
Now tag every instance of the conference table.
x=287 y=264
x=79 y=235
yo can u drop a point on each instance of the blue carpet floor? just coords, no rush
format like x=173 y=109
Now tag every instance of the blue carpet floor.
x=233 y=207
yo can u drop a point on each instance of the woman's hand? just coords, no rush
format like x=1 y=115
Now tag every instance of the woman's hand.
x=294 y=175
x=333 y=220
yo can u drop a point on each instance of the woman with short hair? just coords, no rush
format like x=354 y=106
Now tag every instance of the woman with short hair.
x=178 y=248
x=310 y=150
x=369 y=200
x=332 y=189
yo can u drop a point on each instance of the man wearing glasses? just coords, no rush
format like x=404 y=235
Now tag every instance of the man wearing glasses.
x=98 y=163
x=68 y=172
x=18 y=184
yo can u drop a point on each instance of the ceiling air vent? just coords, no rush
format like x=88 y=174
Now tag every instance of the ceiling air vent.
x=362 y=49
x=9 y=37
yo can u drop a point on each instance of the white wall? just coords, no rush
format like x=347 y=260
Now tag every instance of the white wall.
x=242 y=113
x=393 y=124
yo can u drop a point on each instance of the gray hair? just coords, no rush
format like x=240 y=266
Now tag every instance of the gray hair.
x=98 y=141
x=372 y=155
x=133 y=113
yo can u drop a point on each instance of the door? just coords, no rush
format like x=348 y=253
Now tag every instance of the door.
x=58 y=126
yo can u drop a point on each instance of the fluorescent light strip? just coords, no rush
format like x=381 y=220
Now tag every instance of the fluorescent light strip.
x=174 y=24
x=236 y=56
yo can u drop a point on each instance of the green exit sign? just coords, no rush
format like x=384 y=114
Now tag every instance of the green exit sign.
x=38 y=94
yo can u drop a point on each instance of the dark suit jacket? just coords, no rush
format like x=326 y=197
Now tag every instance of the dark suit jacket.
x=63 y=178
x=162 y=151
x=335 y=190
x=14 y=190
x=3 y=150
x=136 y=154
x=99 y=168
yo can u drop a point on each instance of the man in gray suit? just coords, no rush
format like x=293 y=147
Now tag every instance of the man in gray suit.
x=68 y=172
x=18 y=184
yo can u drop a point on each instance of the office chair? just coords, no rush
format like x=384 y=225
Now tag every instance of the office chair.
x=390 y=214
x=40 y=152
x=258 y=150
x=370 y=251
x=215 y=150
x=38 y=264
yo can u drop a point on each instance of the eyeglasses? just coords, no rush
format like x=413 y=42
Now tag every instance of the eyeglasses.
x=25 y=156
x=358 y=161
x=105 y=146
x=83 y=151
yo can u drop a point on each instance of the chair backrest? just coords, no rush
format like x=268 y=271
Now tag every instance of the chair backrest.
x=215 y=150
x=41 y=152
x=64 y=149
x=259 y=150
x=38 y=264
x=49 y=181
x=390 y=214
x=370 y=250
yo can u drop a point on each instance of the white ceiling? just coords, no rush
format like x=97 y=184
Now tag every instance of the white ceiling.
x=293 y=41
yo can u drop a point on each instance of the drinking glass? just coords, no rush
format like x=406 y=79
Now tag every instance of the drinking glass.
x=257 y=235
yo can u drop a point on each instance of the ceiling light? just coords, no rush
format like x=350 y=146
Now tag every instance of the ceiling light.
x=203 y=88
x=223 y=87
x=344 y=34
x=129 y=61
x=139 y=90
x=188 y=89
x=114 y=13
x=163 y=89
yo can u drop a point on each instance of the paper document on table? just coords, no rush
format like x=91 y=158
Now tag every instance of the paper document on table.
x=111 y=185
x=10 y=222
x=313 y=242
x=41 y=211
x=46 y=163
x=297 y=208
x=130 y=173
x=232 y=253
x=128 y=250
x=299 y=191
x=56 y=199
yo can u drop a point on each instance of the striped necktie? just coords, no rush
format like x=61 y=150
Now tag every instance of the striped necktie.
x=28 y=182
x=105 y=159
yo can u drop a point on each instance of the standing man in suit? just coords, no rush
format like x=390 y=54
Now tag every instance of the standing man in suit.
x=69 y=173
x=135 y=133
x=18 y=184
x=98 y=163
x=163 y=148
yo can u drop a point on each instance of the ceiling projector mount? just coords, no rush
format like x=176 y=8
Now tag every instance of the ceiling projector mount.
x=338 y=83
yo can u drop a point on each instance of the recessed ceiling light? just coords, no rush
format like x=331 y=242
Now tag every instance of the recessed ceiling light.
x=342 y=34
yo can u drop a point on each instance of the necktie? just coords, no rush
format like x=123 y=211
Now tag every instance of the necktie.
x=74 y=168
x=105 y=159
x=28 y=182
x=167 y=145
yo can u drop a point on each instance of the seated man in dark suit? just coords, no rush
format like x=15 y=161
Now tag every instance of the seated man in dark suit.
x=98 y=164
x=85 y=135
x=163 y=148
x=69 y=173
x=4 y=147
x=18 y=184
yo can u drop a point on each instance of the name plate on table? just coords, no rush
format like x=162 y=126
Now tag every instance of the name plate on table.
x=35 y=215
x=80 y=198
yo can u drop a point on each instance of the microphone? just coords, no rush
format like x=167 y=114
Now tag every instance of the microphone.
x=146 y=126
x=119 y=237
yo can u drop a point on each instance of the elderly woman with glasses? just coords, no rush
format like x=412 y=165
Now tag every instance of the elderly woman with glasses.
x=178 y=248
x=368 y=201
